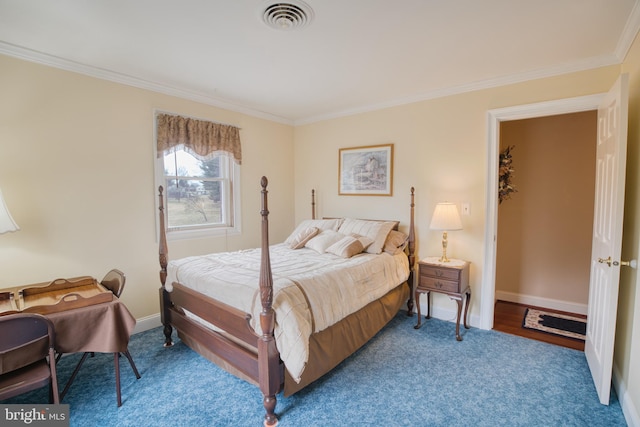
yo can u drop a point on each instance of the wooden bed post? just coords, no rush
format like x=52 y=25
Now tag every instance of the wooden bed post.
x=313 y=204
x=163 y=251
x=268 y=356
x=412 y=254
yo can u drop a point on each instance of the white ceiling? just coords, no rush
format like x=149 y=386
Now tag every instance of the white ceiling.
x=356 y=55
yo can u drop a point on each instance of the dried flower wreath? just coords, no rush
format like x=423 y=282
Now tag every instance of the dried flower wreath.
x=505 y=174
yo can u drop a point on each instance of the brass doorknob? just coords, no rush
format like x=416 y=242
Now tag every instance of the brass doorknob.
x=607 y=261
x=633 y=263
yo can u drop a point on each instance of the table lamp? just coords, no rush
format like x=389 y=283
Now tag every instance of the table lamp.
x=445 y=218
x=7 y=224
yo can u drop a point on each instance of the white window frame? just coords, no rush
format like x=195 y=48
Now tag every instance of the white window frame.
x=231 y=191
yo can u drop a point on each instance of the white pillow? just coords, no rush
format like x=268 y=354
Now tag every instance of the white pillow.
x=346 y=247
x=297 y=241
x=320 y=224
x=376 y=230
x=323 y=240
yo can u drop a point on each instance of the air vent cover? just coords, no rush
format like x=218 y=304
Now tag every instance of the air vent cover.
x=287 y=16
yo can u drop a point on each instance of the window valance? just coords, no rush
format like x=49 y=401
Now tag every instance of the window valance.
x=198 y=137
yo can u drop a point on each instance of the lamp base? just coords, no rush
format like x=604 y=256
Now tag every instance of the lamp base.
x=444 y=258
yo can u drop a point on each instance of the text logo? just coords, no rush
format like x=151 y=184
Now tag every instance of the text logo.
x=34 y=415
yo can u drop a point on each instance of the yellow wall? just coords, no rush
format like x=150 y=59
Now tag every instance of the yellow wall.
x=627 y=349
x=76 y=170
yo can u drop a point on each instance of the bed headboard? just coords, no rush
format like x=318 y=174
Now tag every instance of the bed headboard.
x=396 y=223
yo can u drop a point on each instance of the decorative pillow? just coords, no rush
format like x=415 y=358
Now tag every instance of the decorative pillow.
x=323 y=240
x=395 y=243
x=366 y=241
x=375 y=230
x=346 y=247
x=298 y=240
x=320 y=224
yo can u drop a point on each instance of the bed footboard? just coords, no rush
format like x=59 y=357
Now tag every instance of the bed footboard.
x=263 y=366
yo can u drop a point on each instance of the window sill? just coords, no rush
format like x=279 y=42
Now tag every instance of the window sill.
x=202 y=233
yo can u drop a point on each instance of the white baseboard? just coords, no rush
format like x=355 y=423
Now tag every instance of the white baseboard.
x=628 y=408
x=554 y=304
x=146 y=323
x=446 y=313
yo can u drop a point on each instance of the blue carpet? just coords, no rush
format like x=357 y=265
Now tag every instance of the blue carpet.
x=403 y=377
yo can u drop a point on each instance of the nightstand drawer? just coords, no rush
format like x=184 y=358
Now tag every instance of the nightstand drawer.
x=440 y=273
x=439 y=284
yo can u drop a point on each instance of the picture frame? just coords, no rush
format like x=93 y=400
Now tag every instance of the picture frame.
x=366 y=171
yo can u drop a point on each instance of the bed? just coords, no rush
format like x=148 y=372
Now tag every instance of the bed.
x=281 y=316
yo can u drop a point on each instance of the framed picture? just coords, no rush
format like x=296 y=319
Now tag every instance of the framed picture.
x=366 y=171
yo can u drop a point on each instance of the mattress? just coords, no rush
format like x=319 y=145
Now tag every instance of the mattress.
x=312 y=291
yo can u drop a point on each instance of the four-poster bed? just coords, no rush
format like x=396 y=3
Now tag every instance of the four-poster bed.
x=257 y=339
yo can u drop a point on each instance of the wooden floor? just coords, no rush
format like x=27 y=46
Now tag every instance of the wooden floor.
x=508 y=318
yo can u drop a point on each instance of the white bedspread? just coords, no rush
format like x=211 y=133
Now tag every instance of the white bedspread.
x=311 y=291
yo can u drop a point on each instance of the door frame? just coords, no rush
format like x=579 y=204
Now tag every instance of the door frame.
x=494 y=118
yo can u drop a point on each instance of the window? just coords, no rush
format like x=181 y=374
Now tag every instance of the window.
x=201 y=191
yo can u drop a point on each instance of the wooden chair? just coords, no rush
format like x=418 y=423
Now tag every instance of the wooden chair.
x=114 y=280
x=26 y=341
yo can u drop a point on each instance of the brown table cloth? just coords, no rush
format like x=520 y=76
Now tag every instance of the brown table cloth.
x=100 y=328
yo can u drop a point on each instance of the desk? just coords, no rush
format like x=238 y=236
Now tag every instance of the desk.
x=100 y=328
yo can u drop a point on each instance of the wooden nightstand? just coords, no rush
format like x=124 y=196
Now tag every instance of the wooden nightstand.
x=451 y=278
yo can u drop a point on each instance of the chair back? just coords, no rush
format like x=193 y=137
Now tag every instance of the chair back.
x=25 y=338
x=114 y=281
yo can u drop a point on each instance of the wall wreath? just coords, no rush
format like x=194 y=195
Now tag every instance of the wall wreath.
x=505 y=175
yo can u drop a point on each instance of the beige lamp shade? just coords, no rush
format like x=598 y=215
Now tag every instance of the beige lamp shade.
x=445 y=218
x=7 y=224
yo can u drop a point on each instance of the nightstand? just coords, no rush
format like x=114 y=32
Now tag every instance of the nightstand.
x=450 y=278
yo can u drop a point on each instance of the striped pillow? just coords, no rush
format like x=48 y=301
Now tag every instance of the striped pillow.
x=375 y=230
x=320 y=224
x=346 y=247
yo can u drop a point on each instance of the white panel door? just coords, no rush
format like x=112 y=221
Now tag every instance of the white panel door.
x=607 y=235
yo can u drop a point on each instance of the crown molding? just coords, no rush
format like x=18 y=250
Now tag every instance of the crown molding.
x=76 y=67
x=629 y=32
x=577 y=66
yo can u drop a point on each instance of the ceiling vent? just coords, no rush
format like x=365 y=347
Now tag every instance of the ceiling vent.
x=287 y=16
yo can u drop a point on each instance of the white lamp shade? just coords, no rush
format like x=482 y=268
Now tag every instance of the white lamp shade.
x=7 y=224
x=446 y=217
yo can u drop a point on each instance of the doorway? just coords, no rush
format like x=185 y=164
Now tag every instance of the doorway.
x=495 y=118
x=545 y=228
